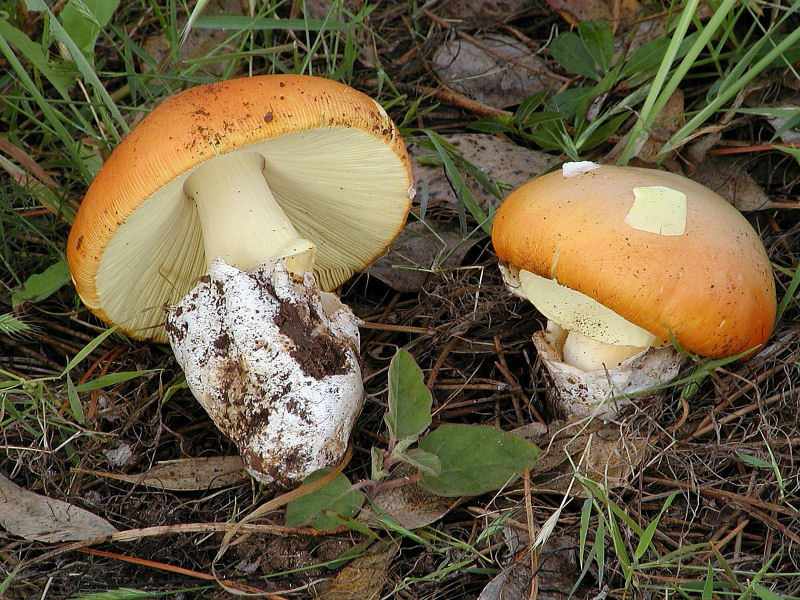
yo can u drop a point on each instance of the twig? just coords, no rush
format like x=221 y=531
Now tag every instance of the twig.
x=526 y=480
x=241 y=587
x=774 y=399
x=745 y=501
x=439 y=362
x=399 y=328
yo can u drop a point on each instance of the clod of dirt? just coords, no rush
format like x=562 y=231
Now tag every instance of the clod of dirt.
x=496 y=70
x=274 y=364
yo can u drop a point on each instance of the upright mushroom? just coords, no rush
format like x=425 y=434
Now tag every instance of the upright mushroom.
x=621 y=260
x=239 y=205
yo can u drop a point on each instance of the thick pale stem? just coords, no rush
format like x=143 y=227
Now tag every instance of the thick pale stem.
x=242 y=223
x=588 y=354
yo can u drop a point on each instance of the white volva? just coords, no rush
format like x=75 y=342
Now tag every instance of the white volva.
x=274 y=364
x=594 y=356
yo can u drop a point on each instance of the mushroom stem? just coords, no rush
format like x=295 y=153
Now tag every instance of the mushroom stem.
x=249 y=225
x=587 y=354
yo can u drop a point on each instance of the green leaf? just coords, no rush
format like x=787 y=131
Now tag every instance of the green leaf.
x=465 y=198
x=475 y=459
x=34 y=53
x=708 y=585
x=649 y=532
x=754 y=460
x=423 y=461
x=74 y=400
x=87 y=350
x=600 y=548
x=41 y=285
x=646 y=59
x=318 y=509
x=410 y=401
x=84 y=19
x=570 y=52
x=586 y=514
x=377 y=472
x=110 y=379
x=529 y=106
x=598 y=39
x=236 y=23
x=766 y=594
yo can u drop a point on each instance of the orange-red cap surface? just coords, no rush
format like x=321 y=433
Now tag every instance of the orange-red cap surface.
x=205 y=121
x=711 y=286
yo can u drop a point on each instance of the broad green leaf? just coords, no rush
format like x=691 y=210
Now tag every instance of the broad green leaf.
x=84 y=19
x=410 y=401
x=569 y=102
x=41 y=285
x=599 y=42
x=475 y=459
x=318 y=509
x=646 y=59
x=423 y=461
x=570 y=52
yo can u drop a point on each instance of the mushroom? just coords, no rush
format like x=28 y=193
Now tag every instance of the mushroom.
x=240 y=205
x=621 y=261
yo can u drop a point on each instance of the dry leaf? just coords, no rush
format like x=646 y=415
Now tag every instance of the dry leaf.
x=363 y=578
x=200 y=43
x=599 y=451
x=411 y=505
x=511 y=582
x=580 y=11
x=484 y=11
x=406 y=267
x=495 y=70
x=728 y=177
x=498 y=158
x=557 y=568
x=36 y=517
x=185 y=474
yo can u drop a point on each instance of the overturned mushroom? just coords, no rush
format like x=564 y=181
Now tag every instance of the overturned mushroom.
x=621 y=260
x=239 y=205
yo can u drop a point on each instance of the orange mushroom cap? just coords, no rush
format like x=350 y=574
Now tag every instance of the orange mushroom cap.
x=711 y=286
x=305 y=128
